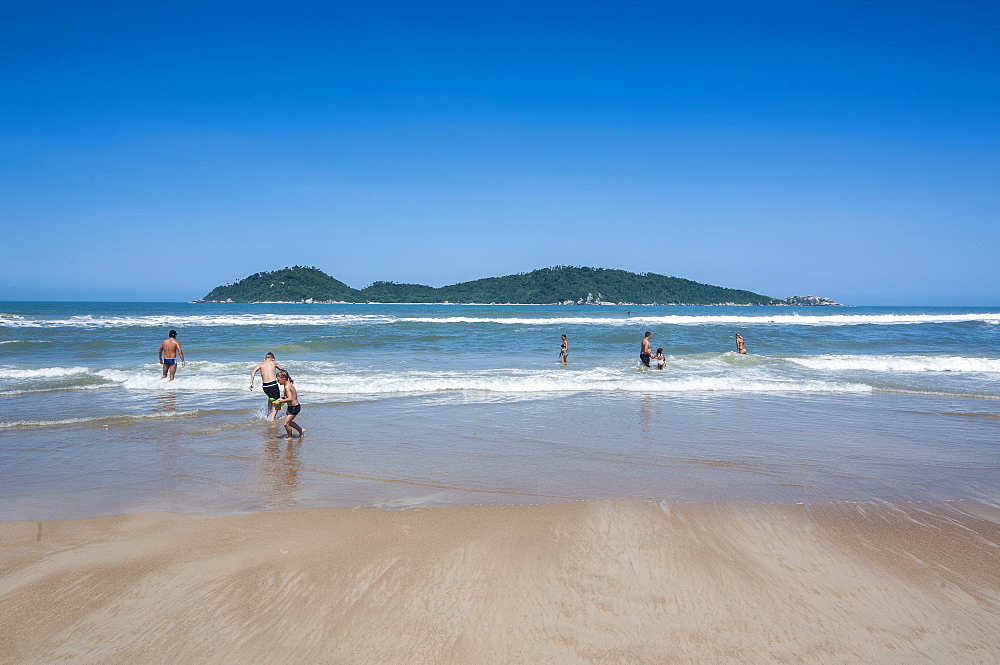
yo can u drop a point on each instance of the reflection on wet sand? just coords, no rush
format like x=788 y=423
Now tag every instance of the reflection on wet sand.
x=166 y=402
x=280 y=470
x=646 y=416
x=172 y=454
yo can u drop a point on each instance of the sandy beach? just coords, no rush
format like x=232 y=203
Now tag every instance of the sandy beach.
x=578 y=582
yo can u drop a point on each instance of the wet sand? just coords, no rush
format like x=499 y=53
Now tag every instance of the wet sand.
x=579 y=582
x=443 y=451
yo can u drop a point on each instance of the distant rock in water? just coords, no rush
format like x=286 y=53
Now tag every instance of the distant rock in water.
x=810 y=301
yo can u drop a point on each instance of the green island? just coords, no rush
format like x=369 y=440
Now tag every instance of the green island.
x=557 y=285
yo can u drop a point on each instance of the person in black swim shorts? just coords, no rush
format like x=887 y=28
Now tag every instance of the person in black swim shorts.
x=291 y=398
x=268 y=369
x=645 y=351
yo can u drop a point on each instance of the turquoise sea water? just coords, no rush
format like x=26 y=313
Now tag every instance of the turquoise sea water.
x=444 y=404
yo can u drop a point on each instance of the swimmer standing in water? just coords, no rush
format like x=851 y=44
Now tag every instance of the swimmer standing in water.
x=645 y=351
x=740 y=347
x=169 y=350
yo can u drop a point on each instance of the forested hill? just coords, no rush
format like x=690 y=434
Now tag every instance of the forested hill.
x=561 y=284
x=286 y=285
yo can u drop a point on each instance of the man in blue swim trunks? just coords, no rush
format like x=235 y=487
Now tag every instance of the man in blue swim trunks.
x=170 y=348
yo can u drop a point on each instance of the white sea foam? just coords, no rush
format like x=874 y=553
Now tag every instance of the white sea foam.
x=197 y=376
x=685 y=373
x=42 y=372
x=194 y=321
x=900 y=363
x=96 y=419
x=544 y=383
x=693 y=373
x=25 y=391
x=264 y=319
x=203 y=381
x=781 y=319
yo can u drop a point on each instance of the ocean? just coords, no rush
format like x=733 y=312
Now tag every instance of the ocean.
x=444 y=405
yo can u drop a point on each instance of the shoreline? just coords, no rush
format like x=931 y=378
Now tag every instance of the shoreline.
x=589 y=581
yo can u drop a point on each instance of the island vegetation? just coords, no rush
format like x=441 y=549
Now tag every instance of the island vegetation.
x=296 y=284
x=559 y=284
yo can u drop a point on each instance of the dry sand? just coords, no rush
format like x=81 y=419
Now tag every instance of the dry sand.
x=591 y=582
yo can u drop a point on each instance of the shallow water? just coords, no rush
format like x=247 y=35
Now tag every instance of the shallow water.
x=446 y=405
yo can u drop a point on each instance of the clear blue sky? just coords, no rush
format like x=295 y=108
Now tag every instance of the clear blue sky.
x=152 y=151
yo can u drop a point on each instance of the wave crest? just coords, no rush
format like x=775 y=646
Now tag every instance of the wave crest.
x=266 y=319
x=901 y=363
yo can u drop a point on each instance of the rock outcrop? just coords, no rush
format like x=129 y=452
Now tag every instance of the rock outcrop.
x=810 y=301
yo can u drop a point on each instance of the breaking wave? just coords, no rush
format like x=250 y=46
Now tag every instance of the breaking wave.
x=266 y=319
x=900 y=363
x=324 y=378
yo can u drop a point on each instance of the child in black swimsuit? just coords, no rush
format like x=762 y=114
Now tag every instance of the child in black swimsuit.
x=291 y=399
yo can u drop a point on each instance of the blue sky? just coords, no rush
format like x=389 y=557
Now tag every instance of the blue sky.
x=152 y=151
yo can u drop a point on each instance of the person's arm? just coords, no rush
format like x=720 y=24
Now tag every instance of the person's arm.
x=180 y=352
x=253 y=374
x=160 y=354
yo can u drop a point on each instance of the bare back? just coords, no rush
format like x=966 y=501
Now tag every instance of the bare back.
x=268 y=368
x=169 y=347
x=268 y=371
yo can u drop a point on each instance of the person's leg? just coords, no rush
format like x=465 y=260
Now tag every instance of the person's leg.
x=290 y=424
